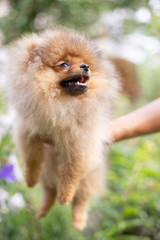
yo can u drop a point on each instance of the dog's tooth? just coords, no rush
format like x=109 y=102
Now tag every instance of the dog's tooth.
x=81 y=84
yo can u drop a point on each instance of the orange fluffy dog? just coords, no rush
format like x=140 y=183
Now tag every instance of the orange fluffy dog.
x=63 y=90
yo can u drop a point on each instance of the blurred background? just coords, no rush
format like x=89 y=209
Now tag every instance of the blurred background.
x=128 y=33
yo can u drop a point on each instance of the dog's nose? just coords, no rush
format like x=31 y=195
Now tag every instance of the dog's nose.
x=85 y=67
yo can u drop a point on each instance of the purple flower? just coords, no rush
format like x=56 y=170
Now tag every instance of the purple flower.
x=6 y=173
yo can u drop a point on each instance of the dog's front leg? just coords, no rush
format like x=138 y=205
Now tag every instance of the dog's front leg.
x=31 y=153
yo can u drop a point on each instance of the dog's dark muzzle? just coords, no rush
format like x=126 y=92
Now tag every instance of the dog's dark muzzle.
x=75 y=85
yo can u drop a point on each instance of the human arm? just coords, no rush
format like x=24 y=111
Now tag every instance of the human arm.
x=145 y=120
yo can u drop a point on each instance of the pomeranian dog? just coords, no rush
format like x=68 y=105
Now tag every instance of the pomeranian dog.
x=63 y=90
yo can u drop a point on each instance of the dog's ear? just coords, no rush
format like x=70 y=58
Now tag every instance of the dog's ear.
x=36 y=55
x=32 y=51
x=26 y=52
x=48 y=54
x=40 y=52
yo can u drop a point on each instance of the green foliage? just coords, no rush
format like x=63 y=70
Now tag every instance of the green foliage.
x=6 y=146
x=35 y=15
x=132 y=207
x=22 y=18
x=149 y=73
x=26 y=226
x=3 y=107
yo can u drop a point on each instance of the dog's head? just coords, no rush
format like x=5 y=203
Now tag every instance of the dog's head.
x=73 y=75
x=60 y=62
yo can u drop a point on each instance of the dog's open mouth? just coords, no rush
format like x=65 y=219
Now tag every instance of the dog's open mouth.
x=75 y=85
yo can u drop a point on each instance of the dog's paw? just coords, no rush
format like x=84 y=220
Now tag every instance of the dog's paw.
x=40 y=213
x=64 y=199
x=30 y=183
x=65 y=194
x=79 y=225
x=31 y=177
x=31 y=180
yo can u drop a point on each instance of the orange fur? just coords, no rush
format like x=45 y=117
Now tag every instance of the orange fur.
x=129 y=77
x=74 y=168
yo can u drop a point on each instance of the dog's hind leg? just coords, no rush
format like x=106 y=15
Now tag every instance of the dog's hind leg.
x=49 y=197
x=79 y=213
x=92 y=185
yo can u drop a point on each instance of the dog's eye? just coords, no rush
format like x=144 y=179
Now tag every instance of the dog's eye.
x=65 y=64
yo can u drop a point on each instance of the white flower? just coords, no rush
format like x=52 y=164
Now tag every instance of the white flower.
x=4 y=196
x=16 y=202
